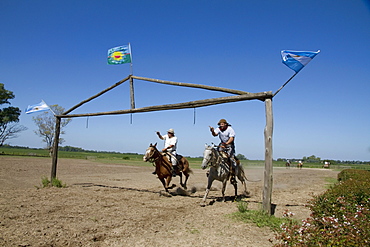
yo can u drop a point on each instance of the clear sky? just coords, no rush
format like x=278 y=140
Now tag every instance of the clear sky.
x=57 y=51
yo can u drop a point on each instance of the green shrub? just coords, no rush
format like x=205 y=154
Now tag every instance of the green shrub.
x=53 y=183
x=350 y=192
x=354 y=174
x=340 y=217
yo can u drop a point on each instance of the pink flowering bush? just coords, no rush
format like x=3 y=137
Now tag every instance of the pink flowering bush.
x=340 y=217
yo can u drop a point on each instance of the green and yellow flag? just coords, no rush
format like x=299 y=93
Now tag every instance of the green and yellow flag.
x=119 y=55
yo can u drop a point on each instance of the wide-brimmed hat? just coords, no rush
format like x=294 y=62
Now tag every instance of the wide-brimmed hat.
x=223 y=121
x=171 y=131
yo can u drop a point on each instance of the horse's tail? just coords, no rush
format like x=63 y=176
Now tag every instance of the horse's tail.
x=242 y=173
x=186 y=165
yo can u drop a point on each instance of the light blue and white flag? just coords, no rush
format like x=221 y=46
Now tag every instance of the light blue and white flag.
x=296 y=60
x=42 y=106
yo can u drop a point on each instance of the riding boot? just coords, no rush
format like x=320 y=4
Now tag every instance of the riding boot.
x=232 y=171
x=173 y=171
x=232 y=166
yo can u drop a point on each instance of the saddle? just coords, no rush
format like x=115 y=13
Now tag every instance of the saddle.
x=178 y=159
x=228 y=161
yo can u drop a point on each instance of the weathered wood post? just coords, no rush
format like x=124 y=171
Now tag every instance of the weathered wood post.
x=55 y=148
x=132 y=95
x=268 y=178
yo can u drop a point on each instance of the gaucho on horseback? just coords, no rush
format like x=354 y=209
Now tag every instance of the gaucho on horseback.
x=227 y=145
x=170 y=146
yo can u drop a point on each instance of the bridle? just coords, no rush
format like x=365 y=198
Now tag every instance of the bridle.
x=153 y=159
x=213 y=160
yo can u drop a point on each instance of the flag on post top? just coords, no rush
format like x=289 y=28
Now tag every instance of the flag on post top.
x=296 y=60
x=119 y=55
x=42 y=106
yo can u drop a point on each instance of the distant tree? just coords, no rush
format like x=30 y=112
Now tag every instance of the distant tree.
x=311 y=159
x=241 y=157
x=71 y=149
x=10 y=132
x=9 y=117
x=46 y=125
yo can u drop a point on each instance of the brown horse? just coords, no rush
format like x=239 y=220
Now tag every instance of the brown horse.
x=299 y=165
x=163 y=166
x=287 y=165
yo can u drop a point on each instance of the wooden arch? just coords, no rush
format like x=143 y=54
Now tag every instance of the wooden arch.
x=238 y=96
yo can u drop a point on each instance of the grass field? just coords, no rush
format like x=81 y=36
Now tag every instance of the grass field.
x=137 y=159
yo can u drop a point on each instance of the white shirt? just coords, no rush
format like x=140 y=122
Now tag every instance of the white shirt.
x=226 y=134
x=170 y=141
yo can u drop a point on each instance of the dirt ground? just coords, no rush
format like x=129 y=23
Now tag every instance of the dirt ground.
x=121 y=205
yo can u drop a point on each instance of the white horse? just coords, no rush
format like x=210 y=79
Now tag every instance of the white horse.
x=220 y=170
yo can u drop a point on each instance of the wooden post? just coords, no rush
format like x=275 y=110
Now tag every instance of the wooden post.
x=132 y=93
x=191 y=104
x=55 y=148
x=268 y=178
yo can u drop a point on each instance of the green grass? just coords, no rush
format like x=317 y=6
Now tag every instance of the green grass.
x=55 y=182
x=330 y=182
x=259 y=217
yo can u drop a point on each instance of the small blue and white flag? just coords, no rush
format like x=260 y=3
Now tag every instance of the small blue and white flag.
x=296 y=60
x=42 y=106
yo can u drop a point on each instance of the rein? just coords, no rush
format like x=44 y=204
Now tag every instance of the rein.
x=213 y=161
x=153 y=159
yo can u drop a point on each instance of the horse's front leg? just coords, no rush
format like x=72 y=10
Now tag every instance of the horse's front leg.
x=164 y=184
x=203 y=203
x=168 y=181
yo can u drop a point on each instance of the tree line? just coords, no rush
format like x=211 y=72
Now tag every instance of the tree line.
x=314 y=159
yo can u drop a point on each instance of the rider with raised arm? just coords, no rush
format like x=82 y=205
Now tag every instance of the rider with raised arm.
x=170 y=146
x=227 y=138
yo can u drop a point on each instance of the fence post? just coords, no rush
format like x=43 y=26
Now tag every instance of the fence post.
x=268 y=178
x=55 y=148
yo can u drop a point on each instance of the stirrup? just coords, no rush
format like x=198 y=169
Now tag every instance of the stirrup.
x=173 y=172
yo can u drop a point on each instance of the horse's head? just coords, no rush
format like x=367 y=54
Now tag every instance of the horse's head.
x=207 y=156
x=150 y=152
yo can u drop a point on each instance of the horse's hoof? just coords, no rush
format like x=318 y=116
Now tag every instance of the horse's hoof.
x=202 y=204
x=246 y=193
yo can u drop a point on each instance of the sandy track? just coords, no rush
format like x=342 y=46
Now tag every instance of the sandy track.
x=120 y=205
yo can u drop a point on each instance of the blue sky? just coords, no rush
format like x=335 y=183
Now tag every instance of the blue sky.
x=57 y=51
